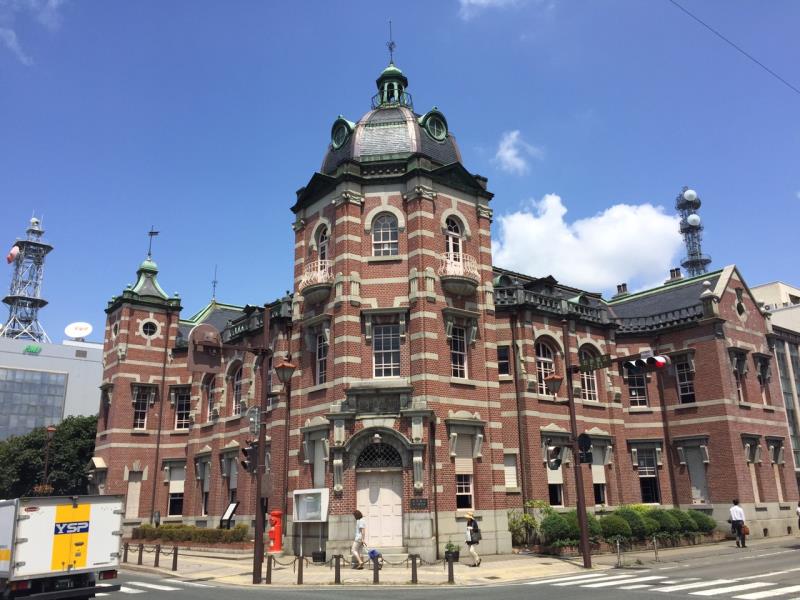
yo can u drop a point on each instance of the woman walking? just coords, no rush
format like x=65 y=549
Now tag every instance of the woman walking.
x=473 y=537
x=359 y=539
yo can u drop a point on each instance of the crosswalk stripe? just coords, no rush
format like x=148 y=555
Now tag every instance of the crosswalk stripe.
x=734 y=588
x=189 y=583
x=608 y=583
x=770 y=593
x=571 y=578
x=698 y=584
x=628 y=580
x=127 y=590
x=637 y=586
x=154 y=586
x=594 y=582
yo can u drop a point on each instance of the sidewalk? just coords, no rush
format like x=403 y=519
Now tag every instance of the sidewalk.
x=236 y=569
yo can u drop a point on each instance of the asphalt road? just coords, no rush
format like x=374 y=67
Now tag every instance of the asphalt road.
x=723 y=573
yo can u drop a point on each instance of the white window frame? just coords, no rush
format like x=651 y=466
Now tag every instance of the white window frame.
x=321 y=359
x=545 y=366
x=465 y=489
x=322 y=243
x=385 y=236
x=459 y=368
x=506 y=361
x=511 y=470
x=645 y=470
x=684 y=377
x=588 y=380
x=140 y=405
x=386 y=362
x=208 y=395
x=183 y=407
x=559 y=488
x=453 y=239
x=638 y=381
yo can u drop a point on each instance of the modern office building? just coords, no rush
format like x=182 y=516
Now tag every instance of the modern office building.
x=425 y=374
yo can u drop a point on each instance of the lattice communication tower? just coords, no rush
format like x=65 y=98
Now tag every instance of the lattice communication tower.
x=24 y=297
x=687 y=204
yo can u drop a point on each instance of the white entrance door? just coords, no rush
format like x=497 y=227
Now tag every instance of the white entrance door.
x=380 y=499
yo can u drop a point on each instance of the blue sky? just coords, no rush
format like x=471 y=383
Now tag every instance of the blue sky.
x=203 y=119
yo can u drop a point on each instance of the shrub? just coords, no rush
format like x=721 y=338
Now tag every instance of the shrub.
x=186 y=533
x=554 y=527
x=667 y=523
x=635 y=521
x=651 y=526
x=704 y=523
x=522 y=527
x=686 y=522
x=614 y=525
x=595 y=531
x=239 y=533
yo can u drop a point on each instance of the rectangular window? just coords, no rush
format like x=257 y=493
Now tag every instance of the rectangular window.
x=637 y=389
x=589 y=386
x=685 y=375
x=177 y=477
x=648 y=475
x=183 y=407
x=458 y=352
x=208 y=396
x=319 y=464
x=205 y=505
x=503 y=361
x=510 y=470
x=132 y=497
x=600 y=493
x=464 y=491
x=322 y=359
x=141 y=397
x=386 y=350
x=556 y=494
x=204 y=467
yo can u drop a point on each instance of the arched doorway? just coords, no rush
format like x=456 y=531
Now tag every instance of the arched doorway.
x=379 y=495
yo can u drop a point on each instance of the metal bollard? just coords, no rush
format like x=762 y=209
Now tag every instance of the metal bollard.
x=619 y=556
x=450 y=578
x=125 y=552
x=337 y=568
x=376 y=567
x=158 y=555
x=268 y=578
x=414 y=568
x=655 y=546
x=299 y=570
x=141 y=552
x=174 y=558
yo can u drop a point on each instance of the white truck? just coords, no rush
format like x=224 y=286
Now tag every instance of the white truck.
x=59 y=547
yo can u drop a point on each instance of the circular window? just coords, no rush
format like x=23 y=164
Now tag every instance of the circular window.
x=436 y=127
x=339 y=135
x=149 y=328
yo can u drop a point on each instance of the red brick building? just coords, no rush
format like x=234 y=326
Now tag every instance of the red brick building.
x=420 y=388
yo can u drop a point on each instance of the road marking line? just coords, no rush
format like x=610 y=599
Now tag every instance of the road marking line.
x=772 y=574
x=190 y=583
x=634 y=587
x=153 y=586
x=699 y=584
x=581 y=583
x=127 y=590
x=610 y=583
x=733 y=588
x=770 y=593
x=574 y=577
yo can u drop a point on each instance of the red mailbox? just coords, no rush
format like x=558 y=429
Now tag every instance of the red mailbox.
x=275 y=534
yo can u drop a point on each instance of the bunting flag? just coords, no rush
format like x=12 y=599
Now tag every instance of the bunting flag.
x=12 y=254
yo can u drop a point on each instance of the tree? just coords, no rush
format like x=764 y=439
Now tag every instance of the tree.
x=22 y=459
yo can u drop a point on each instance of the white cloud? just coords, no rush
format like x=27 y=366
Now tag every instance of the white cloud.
x=470 y=8
x=635 y=244
x=513 y=152
x=45 y=12
x=9 y=39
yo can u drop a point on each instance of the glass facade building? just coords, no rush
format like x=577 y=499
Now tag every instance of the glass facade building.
x=30 y=399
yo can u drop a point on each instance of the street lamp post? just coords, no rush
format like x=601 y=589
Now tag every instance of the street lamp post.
x=284 y=370
x=553 y=384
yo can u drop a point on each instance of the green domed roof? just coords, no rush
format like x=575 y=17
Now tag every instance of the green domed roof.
x=391 y=72
x=148 y=265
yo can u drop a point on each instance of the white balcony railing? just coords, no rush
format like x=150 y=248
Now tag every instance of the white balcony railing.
x=455 y=264
x=317 y=272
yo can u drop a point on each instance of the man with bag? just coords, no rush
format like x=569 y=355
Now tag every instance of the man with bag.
x=737 y=524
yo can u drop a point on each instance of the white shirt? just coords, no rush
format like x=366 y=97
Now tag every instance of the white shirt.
x=737 y=514
x=361 y=525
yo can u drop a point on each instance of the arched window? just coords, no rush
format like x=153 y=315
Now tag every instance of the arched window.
x=379 y=456
x=545 y=366
x=588 y=379
x=208 y=396
x=384 y=235
x=453 y=239
x=322 y=244
x=237 y=392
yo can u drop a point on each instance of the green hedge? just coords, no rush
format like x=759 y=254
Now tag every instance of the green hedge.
x=686 y=522
x=595 y=529
x=704 y=523
x=636 y=522
x=615 y=526
x=667 y=523
x=554 y=527
x=190 y=533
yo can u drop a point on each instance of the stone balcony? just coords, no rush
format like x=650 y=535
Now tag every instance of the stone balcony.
x=459 y=273
x=317 y=280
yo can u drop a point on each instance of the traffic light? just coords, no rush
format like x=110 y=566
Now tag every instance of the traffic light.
x=554 y=457
x=250 y=461
x=651 y=363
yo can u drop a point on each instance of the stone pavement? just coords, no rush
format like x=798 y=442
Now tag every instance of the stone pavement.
x=236 y=568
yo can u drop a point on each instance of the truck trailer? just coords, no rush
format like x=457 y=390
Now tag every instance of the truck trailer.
x=59 y=547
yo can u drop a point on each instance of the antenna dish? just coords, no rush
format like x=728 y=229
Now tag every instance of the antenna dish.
x=78 y=330
x=690 y=195
x=693 y=219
